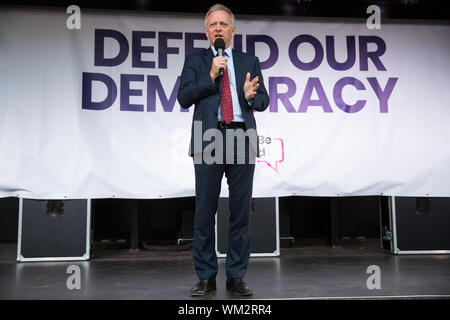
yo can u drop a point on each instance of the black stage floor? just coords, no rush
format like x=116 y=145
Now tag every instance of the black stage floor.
x=311 y=270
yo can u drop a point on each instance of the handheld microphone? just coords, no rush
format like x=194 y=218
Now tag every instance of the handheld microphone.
x=219 y=45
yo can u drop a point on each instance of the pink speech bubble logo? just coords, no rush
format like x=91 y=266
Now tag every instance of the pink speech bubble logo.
x=275 y=165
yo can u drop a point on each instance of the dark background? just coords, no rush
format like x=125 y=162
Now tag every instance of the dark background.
x=392 y=9
x=161 y=219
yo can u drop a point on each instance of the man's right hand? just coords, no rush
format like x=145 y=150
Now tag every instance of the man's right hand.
x=217 y=63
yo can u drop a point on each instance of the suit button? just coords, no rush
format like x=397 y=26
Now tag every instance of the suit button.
x=215 y=113
x=218 y=98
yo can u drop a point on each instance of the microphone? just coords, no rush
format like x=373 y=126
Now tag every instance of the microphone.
x=219 y=45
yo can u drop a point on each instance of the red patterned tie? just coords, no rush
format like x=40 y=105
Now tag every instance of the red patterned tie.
x=226 y=103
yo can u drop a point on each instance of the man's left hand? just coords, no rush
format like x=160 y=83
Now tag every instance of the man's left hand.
x=250 y=87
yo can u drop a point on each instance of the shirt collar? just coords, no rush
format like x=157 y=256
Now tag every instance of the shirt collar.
x=228 y=51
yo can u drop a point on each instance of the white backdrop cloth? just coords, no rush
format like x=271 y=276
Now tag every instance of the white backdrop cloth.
x=378 y=126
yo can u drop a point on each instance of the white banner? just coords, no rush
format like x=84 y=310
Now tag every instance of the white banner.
x=92 y=112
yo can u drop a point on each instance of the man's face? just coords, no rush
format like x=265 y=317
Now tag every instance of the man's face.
x=219 y=26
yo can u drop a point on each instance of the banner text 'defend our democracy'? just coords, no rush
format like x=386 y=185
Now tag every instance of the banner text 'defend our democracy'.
x=282 y=89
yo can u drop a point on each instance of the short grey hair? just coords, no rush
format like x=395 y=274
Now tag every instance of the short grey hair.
x=219 y=7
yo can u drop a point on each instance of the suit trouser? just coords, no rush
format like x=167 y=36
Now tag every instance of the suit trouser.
x=208 y=179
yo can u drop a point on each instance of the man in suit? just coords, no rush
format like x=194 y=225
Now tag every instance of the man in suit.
x=224 y=105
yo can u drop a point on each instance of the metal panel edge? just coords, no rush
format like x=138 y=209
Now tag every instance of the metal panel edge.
x=276 y=253
x=19 y=257
x=49 y=259
x=87 y=255
x=394 y=226
x=218 y=254
x=264 y=255
x=277 y=219
x=422 y=251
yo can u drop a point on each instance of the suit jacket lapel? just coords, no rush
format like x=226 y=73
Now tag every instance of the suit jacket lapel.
x=208 y=56
x=239 y=71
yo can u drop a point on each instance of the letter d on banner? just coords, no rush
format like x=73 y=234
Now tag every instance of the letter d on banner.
x=86 y=91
